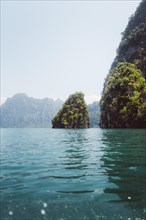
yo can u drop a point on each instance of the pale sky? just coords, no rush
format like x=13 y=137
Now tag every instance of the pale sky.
x=55 y=48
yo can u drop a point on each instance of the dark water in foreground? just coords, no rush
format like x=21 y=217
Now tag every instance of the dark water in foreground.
x=86 y=174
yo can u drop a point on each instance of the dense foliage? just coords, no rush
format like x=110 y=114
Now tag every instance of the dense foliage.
x=132 y=48
x=123 y=102
x=74 y=113
x=94 y=114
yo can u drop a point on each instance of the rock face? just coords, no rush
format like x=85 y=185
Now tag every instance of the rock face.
x=23 y=111
x=123 y=101
x=94 y=114
x=74 y=113
x=132 y=47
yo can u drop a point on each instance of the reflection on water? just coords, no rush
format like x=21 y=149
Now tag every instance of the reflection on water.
x=76 y=153
x=125 y=163
x=73 y=174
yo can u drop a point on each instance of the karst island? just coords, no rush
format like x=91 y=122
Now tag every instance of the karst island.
x=73 y=114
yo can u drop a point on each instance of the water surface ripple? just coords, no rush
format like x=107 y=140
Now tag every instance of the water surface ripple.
x=67 y=174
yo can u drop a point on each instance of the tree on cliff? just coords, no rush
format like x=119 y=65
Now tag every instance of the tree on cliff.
x=123 y=102
x=132 y=47
x=74 y=113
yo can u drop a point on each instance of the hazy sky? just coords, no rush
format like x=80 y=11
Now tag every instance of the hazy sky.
x=54 y=48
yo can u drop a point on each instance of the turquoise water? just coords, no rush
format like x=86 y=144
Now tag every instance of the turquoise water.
x=81 y=174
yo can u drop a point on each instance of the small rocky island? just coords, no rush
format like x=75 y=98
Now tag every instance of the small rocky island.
x=73 y=114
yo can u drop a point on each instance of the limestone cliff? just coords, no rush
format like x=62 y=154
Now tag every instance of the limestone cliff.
x=123 y=101
x=74 y=113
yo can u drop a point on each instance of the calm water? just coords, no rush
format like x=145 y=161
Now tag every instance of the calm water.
x=83 y=174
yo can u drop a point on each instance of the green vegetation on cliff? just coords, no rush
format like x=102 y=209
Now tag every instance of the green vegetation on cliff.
x=132 y=47
x=123 y=101
x=74 y=113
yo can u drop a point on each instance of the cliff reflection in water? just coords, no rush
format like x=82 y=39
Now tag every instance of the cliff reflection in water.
x=73 y=174
x=125 y=162
x=76 y=154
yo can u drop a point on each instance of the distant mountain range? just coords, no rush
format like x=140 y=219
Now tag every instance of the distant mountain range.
x=22 y=111
x=94 y=114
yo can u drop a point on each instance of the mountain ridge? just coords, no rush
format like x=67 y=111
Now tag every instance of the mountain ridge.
x=23 y=111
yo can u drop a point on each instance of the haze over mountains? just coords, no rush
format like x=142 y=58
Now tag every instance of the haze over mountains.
x=22 y=111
